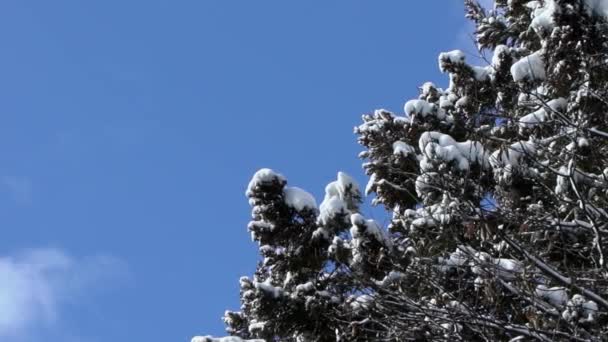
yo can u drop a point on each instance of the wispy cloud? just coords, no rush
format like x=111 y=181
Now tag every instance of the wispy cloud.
x=36 y=283
x=20 y=188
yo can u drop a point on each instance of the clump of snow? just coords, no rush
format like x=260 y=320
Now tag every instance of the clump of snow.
x=371 y=183
x=401 y=120
x=423 y=109
x=484 y=263
x=260 y=225
x=424 y=182
x=330 y=208
x=426 y=88
x=299 y=199
x=508 y=265
x=505 y=161
x=590 y=309
x=403 y=149
x=268 y=250
x=447 y=100
x=558 y=104
x=542 y=15
x=529 y=68
x=267 y=288
x=245 y=282
x=541 y=115
x=375 y=122
x=458 y=306
x=337 y=244
x=513 y=154
x=482 y=73
x=433 y=215
x=306 y=287
x=341 y=197
x=256 y=327
x=345 y=188
x=361 y=302
x=478 y=283
x=391 y=278
x=450 y=57
x=264 y=177
x=458 y=258
x=436 y=145
x=499 y=54
x=462 y=102
x=567 y=173
x=580 y=308
x=418 y=107
x=533 y=119
x=555 y=295
x=366 y=127
x=451 y=327
x=457 y=57
x=368 y=228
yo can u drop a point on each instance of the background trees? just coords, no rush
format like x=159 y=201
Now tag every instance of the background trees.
x=497 y=187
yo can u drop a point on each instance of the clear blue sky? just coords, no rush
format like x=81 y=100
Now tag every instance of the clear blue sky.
x=129 y=130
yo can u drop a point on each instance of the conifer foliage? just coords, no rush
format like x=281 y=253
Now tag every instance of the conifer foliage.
x=497 y=187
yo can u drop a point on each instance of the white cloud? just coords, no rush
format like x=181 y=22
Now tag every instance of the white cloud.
x=35 y=283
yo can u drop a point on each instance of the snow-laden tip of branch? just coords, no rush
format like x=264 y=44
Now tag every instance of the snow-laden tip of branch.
x=299 y=199
x=264 y=177
x=451 y=57
x=362 y=228
x=342 y=197
x=403 y=149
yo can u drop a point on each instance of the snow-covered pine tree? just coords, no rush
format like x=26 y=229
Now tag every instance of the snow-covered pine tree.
x=497 y=186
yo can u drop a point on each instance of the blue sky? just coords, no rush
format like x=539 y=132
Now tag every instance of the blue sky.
x=129 y=130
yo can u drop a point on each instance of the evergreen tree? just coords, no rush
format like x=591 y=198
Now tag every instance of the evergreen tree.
x=497 y=186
